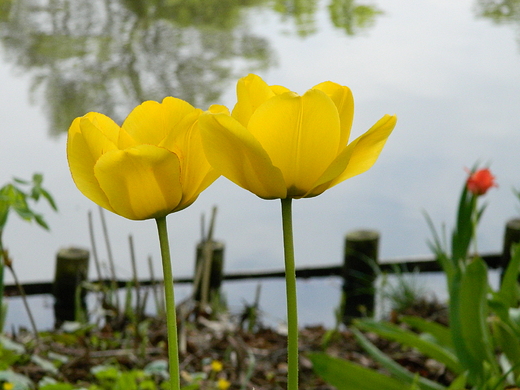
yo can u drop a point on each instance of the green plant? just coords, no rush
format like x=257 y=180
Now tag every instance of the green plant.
x=17 y=197
x=112 y=378
x=481 y=344
x=404 y=292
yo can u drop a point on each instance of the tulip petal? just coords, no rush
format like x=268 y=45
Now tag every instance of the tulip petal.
x=344 y=101
x=237 y=155
x=336 y=168
x=196 y=172
x=366 y=148
x=300 y=134
x=140 y=182
x=88 y=139
x=279 y=89
x=218 y=108
x=252 y=91
x=151 y=122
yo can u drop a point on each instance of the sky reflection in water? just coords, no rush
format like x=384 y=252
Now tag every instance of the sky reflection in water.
x=449 y=70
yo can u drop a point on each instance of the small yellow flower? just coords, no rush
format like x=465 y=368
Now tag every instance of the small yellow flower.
x=216 y=366
x=223 y=384
x=10 y=386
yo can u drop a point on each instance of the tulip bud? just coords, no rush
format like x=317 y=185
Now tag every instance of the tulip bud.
x=480 y=181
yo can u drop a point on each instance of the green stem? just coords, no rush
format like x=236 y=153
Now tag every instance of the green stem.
x=474 y=223
x=171 y=317
x=292 y=304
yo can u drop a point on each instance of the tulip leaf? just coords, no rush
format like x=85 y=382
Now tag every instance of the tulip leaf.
x=509 y=292
x=468 y=316
x=406 y=337
x=503 y=303
x=346 y=375
x=507 y=340
x=439 y=332
x=463 y=233
x=393 y=367
x=459 y=383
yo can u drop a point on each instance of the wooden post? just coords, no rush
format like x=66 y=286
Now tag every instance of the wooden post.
x=214 y=277
x=71 y=271
x=511 y=236
x=359 y=274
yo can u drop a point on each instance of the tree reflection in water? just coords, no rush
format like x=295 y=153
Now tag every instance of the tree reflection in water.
x=500 y=12
x=110 y=55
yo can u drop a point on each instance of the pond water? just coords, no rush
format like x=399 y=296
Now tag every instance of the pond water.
x=449 y=70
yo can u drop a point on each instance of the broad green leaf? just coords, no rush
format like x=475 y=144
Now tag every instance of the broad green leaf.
x=514 y=315
x=468 y=315
x=406 y=337
x=459 y=383
x=509 y=287
x=345 y=375
x=57 y=386
x=395 y=369
x=440 y=333
x=463 y=232
x=507 y=340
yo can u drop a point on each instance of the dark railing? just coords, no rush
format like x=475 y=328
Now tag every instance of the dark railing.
x=359 y=270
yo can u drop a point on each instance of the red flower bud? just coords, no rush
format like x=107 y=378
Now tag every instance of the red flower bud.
x=480 y=181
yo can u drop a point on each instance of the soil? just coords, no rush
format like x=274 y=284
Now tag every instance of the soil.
x=204 y=340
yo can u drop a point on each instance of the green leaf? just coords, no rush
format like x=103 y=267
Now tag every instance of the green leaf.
x=345 y=375
x=12 y=197
x=40 y=221
x=57 y=386
x=514 y=315
x=459 y=383
x=507 y=340
x=468 y=316
x=439 y=332
x=508 y=292
x=37 y=179
x=49 y=199
x=463 y=232
x=393 y=367
x=406 y=337
x=20 y=181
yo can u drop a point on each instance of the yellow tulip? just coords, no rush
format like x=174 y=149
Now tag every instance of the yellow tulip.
x=149 y=167
x=278 y=144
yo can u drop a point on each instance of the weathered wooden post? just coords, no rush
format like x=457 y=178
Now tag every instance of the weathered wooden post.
x=208 y=277
x=511 y=236
x=71 y=271
x=359 y=274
